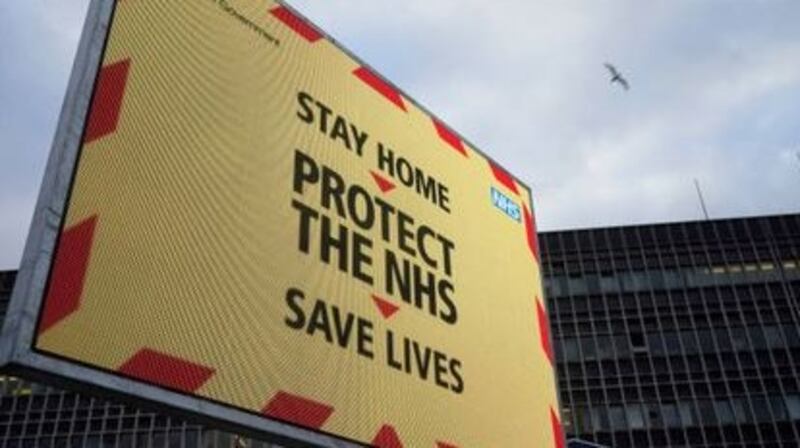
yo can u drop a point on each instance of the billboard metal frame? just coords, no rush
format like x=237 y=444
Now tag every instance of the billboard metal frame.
x=17 y=353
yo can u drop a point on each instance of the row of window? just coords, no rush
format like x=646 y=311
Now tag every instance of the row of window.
x=684 y=414
x=637 y=281
x=688 y=342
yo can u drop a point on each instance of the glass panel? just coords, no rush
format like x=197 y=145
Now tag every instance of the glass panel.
x=616 y=416
x=724 y=412
x=600 y=418
x=792 y=336
x=654 y=416
x=605 y=350
x=757 y=338
x=583 y=420
x=689 y=342
x=672 y=343
x=672 y=418
x=623 y=347
x=778 y=409
x=739 y=339
x=635 y=416
x=609 y=284
x=577 y=286
x=707 y=416
x=706 y=341
x=688 y=414
x=773 y=337
x=793 y=406
x=742 y=411
x=588 y=349
x=571 y=353
x=723 y=339
x=761 y=409
x=656 y=344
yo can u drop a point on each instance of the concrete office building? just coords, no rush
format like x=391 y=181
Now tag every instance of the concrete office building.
x=681 y=334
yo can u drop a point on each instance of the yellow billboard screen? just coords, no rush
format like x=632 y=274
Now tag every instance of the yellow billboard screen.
x=258 y=220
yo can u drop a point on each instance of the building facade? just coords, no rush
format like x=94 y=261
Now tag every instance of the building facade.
x=681 y=334
x=684 y=334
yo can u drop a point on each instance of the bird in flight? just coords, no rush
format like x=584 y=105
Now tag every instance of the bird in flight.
x=616 y=76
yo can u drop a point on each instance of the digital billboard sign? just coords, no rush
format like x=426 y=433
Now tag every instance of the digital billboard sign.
x=243 y=222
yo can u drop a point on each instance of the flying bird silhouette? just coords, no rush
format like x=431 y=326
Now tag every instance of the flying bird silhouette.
x=616 y=76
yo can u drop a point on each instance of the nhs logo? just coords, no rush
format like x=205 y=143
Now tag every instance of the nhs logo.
x=504 y=203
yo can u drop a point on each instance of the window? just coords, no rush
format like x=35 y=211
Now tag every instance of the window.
x=583 y=420
x=739 y=339
x=672 y=343
x=570 y=349
x=600 y=418
x=778 y=409
x=723 y=340
x=616 y=416
x=637 y=341
x=773 y=336
x=588 y=349
x=724 y=412
x=742 y=411
x=605 y=349
x=792 y=336
x=793 y=406
x=672 y=418
x=654 y=416
x=688 y=415
x=707 y=416
x=757 y=338
x=689 y=342
x=706 y=341
x=761 y=409
x=623 y=348
x=656 y=344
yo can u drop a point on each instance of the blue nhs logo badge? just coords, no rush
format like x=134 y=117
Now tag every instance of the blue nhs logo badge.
x=506 y=204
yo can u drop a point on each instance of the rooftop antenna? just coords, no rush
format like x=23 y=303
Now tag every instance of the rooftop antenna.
x=700 y=196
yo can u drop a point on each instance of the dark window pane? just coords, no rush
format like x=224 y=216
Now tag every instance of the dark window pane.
x=739 y=339
x=583 y=420
x=688 y=415
x=742 y=411
x=637 y=340
x=588 y=349
x=605 y=350
x=706 y=341
x=757 y=338
x=778 y=409
x=773 y=337
x=570 y=347
x=707 y=416
x=600 y=418
x=672 y=343
x=616 y=415
x=689 y=342
x=656 y=344
x=792 y=334
x=623 y=347
x=672 y=418
x=723 y=339
x=635 y=416
x=793 y=406
x=654 y=416
x=761 y=409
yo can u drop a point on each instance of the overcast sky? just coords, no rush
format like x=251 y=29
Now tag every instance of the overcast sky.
x=715 y=95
